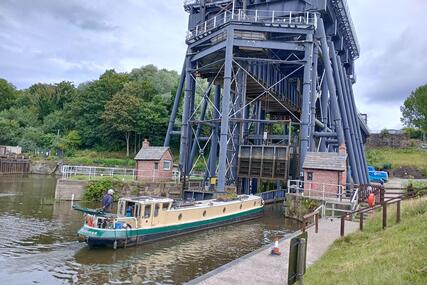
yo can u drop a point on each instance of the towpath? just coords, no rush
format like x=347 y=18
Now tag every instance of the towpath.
x=260 y=267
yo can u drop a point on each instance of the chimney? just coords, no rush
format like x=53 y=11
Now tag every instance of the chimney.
x=145 y=144
x=342 y=149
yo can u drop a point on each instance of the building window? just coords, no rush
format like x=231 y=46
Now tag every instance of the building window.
x=309 y=176
x=156 y=165
x=167 y=165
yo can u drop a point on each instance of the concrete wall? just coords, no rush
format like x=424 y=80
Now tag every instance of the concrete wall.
x=66 y=188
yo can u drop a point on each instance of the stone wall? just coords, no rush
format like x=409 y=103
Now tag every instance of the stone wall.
x=66 y=188
x=390 y=140
x=44 y=167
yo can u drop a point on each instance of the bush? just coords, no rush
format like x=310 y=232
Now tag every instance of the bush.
x=96 y=189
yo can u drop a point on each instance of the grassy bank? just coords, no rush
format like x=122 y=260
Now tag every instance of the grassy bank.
x=394 y=158
x=397 y=255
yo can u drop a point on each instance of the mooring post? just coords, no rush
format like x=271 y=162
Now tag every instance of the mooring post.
x=398 y=212
x=384 y=215
x=342 y=224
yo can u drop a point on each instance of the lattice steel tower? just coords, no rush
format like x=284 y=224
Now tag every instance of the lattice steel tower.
x=280 y=76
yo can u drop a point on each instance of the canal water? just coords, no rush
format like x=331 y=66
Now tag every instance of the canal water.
x=38 y=243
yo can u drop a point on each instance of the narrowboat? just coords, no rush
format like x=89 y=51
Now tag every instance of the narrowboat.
x=145 y=219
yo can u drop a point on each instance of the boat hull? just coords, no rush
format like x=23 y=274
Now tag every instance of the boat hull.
x=110 y=238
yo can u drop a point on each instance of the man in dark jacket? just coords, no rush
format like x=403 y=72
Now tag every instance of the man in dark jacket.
x=107 y=201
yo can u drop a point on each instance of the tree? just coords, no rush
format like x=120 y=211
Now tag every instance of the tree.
x=9 y=132
x=88 y=105
x=7 y=94
x=121 y=114
x=414 y=109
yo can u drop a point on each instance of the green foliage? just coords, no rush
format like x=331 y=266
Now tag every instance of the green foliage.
x=112 y=113
x=297 y=207
x=414 y=109
x=94 y=190
x=7 y=94
x=121 y=114
x=9 y=132
x=414 y=133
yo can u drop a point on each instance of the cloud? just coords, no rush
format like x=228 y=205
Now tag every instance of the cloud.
x=392 y=60
x=76 y=40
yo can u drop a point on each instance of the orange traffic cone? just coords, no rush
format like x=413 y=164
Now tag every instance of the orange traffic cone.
x=276 y=249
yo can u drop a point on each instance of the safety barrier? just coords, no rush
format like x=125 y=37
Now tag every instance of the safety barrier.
x=255 y=16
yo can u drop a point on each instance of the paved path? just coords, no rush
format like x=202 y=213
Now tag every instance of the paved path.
x=260 y=267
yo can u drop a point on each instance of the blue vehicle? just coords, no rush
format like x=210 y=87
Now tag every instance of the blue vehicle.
x=377 y=176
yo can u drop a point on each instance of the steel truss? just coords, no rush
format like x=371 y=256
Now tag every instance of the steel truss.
x=293 y=89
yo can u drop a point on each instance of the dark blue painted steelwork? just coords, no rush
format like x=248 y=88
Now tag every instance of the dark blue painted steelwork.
x=272 y=63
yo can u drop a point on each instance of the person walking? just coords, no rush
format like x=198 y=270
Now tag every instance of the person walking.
x=107 y=201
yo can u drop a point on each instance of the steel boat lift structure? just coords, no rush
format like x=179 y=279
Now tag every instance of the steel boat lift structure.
x=280 y=76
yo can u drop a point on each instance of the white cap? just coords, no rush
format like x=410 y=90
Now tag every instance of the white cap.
x=110 y=191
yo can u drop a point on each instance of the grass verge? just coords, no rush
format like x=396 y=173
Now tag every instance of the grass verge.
x=395 y=158
x=397 y=255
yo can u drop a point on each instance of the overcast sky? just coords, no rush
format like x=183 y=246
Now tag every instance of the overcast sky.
x=77 y=40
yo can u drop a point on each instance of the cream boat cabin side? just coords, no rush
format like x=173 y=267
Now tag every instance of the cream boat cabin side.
x=144 y=219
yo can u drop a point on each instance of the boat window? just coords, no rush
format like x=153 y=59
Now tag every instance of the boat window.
x=165 y=206
x=147 y=211
x=156 y=210
x=180 y=217
x=130 y=209
x=138 y=210
x=241 y=206
x=204 y=213
x=255 y=203
x=223 y=210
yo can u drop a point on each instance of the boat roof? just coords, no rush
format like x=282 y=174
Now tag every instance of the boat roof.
x=150 y=199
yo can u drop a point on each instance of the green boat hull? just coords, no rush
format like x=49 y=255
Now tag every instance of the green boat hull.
x=96 y=237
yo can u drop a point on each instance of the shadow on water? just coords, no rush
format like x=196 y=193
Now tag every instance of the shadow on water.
x=39 y=243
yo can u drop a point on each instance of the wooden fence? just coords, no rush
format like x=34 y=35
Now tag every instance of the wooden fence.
x=14 y=165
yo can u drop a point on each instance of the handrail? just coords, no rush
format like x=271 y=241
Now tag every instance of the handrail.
x=254 y=16
x=315 y=213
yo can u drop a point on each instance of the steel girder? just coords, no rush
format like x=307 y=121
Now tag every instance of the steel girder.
x=254 y=80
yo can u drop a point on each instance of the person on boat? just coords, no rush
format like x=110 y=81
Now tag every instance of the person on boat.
x=107 y=201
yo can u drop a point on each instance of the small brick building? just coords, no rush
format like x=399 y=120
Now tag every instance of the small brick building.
x=154 y=163
x=325 y=170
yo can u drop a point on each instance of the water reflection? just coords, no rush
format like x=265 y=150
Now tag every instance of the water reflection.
x=38 y=244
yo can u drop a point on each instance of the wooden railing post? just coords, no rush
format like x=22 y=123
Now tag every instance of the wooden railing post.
x=342 y=225
x=384 y=215
x=382 y=192
x=361 y=222
x=398 y=212
x=316 y=222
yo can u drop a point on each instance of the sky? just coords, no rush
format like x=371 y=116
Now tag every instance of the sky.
x=77 y=40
